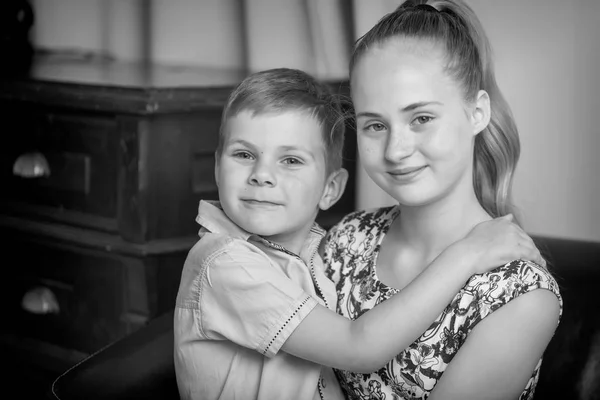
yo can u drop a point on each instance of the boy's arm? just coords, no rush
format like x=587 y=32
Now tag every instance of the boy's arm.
x=369 y=342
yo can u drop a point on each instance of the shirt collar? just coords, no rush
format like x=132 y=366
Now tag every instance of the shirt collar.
x=212 y=218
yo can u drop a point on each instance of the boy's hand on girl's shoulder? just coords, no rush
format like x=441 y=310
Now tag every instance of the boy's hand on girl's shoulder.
x=493 y=243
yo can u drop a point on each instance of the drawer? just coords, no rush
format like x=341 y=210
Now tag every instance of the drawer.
x=68 y=297
x=77 y=151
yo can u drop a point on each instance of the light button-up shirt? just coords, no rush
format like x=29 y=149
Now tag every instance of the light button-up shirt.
x=240 y=298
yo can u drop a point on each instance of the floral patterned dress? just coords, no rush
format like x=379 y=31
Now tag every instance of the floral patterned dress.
x=351 y=249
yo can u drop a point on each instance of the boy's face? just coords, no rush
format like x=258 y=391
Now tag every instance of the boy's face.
x=272 y=174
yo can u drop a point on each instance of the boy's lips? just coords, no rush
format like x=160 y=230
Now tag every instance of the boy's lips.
x=260 y=202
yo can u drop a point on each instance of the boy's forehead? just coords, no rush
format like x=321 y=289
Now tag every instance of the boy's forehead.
x=277 y=115
x=291 y=126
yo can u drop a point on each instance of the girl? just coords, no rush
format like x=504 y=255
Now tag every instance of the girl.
x=435 y=133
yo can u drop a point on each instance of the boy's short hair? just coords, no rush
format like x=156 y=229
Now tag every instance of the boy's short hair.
x=284 y=89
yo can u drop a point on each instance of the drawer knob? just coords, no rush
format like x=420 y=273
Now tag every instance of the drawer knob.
x=31 y=165
x=40 y=300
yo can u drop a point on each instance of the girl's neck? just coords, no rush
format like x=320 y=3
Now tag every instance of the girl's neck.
x=431 y=228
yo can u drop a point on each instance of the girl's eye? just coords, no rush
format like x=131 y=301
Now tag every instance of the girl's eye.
x=423 y=119
x=243 y=155
x=376 y=127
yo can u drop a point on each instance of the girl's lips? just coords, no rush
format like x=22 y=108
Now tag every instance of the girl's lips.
x=406 y=173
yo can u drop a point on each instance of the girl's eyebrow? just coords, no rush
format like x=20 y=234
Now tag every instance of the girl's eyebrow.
x=420 y=104
x=410 y=107
x=368 y=114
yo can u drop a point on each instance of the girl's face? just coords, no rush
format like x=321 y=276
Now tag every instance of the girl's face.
x=415 y=131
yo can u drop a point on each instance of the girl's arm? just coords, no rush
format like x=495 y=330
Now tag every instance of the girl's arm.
x=369 y=342
x=502 y=351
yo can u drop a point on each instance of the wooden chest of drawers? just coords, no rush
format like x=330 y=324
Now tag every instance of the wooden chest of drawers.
x=94 y=242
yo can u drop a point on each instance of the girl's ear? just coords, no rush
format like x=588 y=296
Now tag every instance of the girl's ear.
x=480 y=117
x=334 y=188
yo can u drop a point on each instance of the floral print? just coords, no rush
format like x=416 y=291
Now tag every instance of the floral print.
x=351 y=249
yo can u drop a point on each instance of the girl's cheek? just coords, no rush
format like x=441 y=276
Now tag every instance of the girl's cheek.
x=367 y=148
x=434 y=142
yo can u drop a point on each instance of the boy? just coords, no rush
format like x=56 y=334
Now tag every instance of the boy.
x=255 y=316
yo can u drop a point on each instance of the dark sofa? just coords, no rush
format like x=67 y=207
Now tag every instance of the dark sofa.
x=140 y=366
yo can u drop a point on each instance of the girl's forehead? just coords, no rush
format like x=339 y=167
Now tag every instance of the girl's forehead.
x=401 y=73
x=403 y=50
x=392 y=65
x=426 y=47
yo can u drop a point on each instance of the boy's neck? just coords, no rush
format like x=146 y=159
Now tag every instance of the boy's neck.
x=293 y=241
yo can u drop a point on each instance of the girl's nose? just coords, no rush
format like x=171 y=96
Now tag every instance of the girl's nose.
x=400 y=144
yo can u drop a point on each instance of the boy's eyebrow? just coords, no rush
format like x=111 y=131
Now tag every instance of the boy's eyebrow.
x=242 y=142
x=290 y=148
x=409 y=107
x=282 y=148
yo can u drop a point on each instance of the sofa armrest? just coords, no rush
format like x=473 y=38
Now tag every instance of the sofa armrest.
x=139 y=365
x=571 y=366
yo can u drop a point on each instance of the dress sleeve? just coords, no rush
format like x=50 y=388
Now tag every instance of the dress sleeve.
x=326 y=251
x=498 y=287
x=245 y=298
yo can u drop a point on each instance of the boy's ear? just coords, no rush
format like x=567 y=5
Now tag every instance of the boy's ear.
x=334 y=188
x=480 y=117
x=217 y=169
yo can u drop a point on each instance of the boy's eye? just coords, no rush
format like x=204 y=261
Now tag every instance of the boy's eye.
x=292 y=161
x=243 y=155
x=423 y=119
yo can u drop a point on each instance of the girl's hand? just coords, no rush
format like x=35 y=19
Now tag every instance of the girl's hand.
x=491 y=244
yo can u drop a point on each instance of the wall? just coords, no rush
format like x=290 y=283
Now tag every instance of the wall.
x=177 y=32
x=251 y=35
x=192 y=32
x=548 y=58
x=547 y=61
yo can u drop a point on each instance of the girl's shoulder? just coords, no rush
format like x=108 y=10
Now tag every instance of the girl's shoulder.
x=367 y=219
x=525 y=273
x=503 y=284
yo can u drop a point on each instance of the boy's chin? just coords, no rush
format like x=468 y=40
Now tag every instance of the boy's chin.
x=260 y=229
x=267 y=233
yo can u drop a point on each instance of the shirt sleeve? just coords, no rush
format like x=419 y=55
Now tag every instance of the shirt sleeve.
x=247 y=299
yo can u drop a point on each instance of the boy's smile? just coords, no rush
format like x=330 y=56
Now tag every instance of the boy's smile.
x=251 y=203
x=271 y=174
x=260 y=202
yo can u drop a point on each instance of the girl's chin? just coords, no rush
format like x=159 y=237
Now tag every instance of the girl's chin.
x=413 y=201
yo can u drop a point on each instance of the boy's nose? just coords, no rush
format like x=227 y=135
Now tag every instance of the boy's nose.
x=262 y=176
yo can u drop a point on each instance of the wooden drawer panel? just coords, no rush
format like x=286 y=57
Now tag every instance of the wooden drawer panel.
x=89 y=288
x=81 y=152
